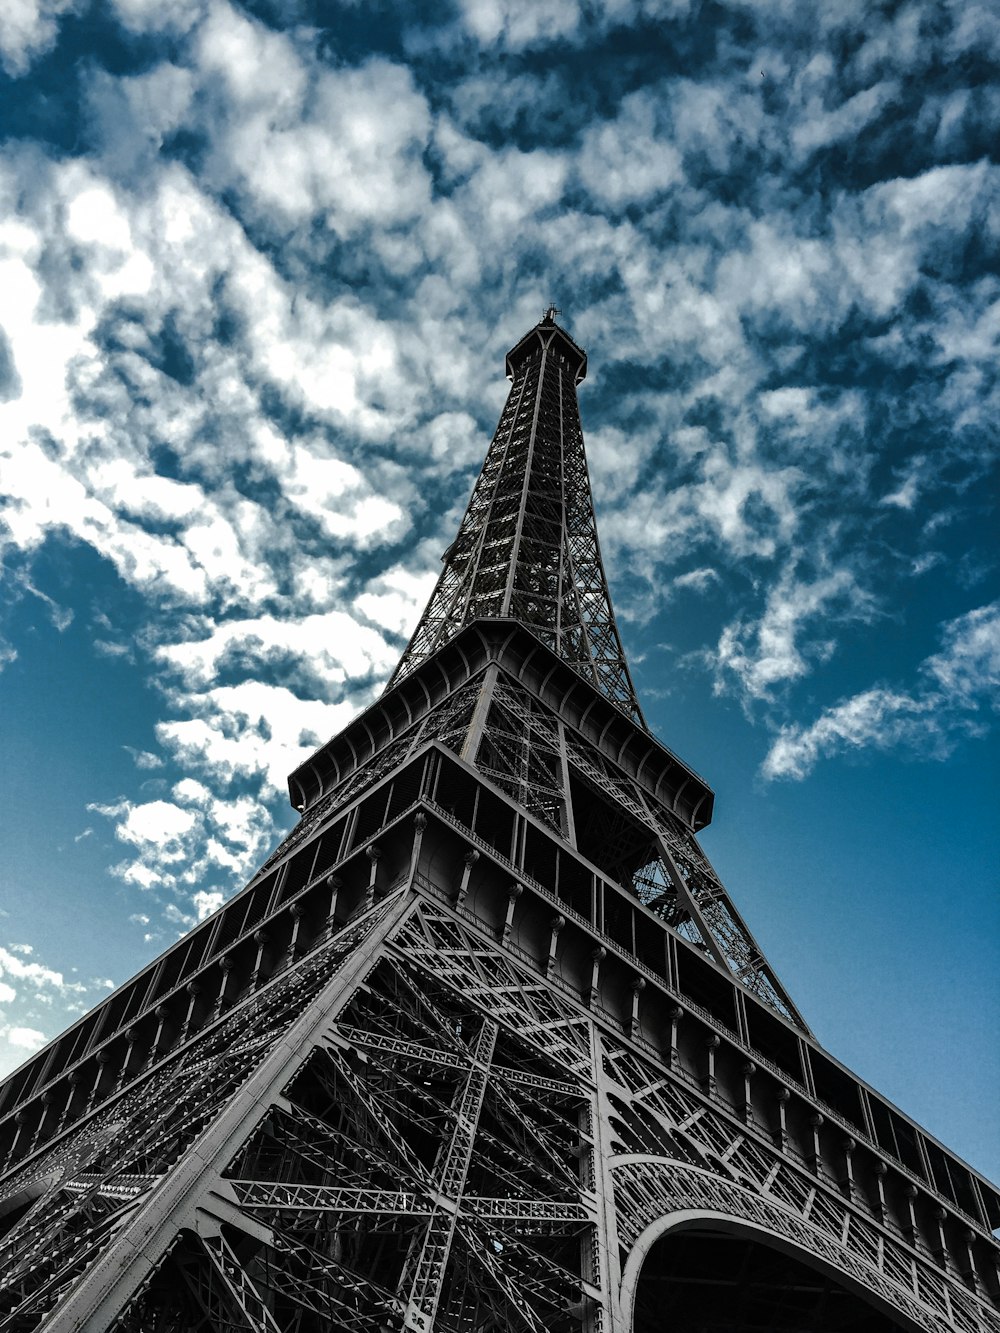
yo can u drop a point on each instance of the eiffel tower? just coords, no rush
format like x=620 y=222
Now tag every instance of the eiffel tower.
x=485 y=1044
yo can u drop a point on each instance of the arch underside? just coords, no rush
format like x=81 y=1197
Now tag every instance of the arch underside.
x=707 y=1255
x=695 y=1281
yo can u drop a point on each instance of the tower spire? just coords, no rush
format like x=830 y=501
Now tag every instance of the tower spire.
x=527 y=548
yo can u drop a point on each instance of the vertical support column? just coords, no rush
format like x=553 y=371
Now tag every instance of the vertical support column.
x=102 y=1060
x=940 y=1250
x=222 y=1000
x=468 y=861
x=39 y=1135
x=605 y=1316
x=783 y=1098
x=597 y=956
x=712 y=1044
x=880 y=1207
x=373 y=852
x=193 y=989
x=749 y=1069
x=970 y=1273
x=513 y=893
x=125 y=1067
x=815 y=1156
x=419 y=824
x=158 y=1047
x=296 y=911
x=261 y=939
x=910 y=1229
x=847 y=1181
x=334 y=883
x=71 y=1085
x=20 y=1120
x=555 y=926
x=676 y=1014
x=636 y=987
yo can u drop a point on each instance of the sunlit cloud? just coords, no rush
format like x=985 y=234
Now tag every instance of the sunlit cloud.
x=958 y=688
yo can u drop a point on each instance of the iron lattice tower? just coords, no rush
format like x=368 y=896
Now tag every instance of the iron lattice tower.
x=484 y=1045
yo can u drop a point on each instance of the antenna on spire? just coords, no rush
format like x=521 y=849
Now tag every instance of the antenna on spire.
x=550 y=315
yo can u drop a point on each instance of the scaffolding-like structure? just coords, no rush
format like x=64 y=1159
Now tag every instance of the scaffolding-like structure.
x=485 y=1044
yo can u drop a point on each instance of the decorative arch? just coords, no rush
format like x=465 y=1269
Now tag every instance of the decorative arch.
x=719 y=1225
x=668 y=1196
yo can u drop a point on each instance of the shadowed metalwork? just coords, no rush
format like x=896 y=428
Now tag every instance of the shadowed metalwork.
x=485 y=1044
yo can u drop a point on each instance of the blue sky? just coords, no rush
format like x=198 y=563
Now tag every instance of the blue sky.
x=259 y=267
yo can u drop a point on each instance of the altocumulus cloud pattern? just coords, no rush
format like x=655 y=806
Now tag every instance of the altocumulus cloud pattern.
x=259 y=264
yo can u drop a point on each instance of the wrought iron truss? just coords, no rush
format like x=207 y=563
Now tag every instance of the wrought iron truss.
x=449 y=1113
x=483 y=1028
x=591 y=775
x=527 y=547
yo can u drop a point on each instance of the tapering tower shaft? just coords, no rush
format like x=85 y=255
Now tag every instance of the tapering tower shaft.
x=527 y=548
x=484 y=1044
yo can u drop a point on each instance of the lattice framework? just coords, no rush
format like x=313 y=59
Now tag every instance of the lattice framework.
x=483 y=1025
x=527 y=547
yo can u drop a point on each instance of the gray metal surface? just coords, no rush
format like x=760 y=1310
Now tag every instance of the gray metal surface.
x=483 y=1032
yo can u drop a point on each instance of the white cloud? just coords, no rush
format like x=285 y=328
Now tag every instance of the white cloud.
x=968 y=667
x=28 y=28
x=150 y=16
x=698 y=579
x=395 y=599
x=251 y=731
x=143 y=759
x=34 y=974
x=944 y=198
x=745 y=507
x=340 y=498
x=714 y=120
x=520 y=23
x=956 y=686
x=817 y=128
x=156 y=823
x=335 y=646
x=178 y=843
x=905 y=495
x=25 y=1039
x=300 y=141
x=626 y=160
x=207 y=901
x=769 y=652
